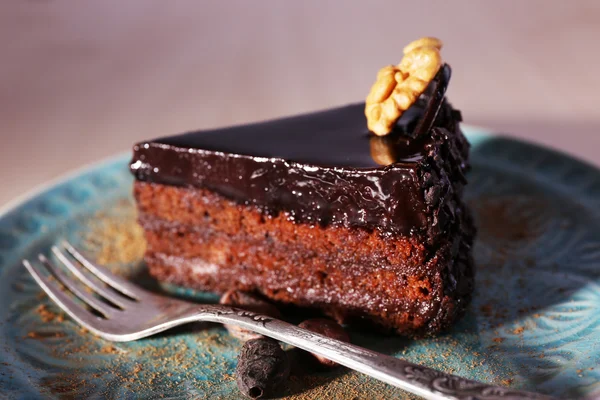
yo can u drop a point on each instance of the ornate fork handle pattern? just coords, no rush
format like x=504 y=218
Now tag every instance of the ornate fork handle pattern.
x=426 y=382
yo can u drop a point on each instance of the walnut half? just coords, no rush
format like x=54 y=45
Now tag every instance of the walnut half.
x=398 y=87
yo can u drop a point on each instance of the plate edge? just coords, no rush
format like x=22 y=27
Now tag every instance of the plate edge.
x=71 y=174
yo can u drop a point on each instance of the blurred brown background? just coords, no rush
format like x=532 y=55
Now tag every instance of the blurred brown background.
x=82 y=80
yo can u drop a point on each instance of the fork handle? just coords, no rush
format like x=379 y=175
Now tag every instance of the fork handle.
x=417 y=379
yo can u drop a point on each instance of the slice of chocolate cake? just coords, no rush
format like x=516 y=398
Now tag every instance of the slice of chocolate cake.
x=316 y=211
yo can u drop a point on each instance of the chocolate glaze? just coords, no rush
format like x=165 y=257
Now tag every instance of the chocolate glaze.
x=319 y=167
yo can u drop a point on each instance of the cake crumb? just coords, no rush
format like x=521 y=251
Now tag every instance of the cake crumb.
x=498 y=339
x=45 y=314
x=44 y=335
x=109 y=349
x=518 y=330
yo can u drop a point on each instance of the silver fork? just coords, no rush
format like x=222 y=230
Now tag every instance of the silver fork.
x=125 y=312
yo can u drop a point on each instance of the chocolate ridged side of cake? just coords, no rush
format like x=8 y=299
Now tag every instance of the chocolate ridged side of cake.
x=302 y=210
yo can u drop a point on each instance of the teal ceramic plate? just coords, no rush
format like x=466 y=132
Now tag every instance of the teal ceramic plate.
x=534 y=322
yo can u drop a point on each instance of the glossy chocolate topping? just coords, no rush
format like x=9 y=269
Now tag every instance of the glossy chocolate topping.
x=320 y=168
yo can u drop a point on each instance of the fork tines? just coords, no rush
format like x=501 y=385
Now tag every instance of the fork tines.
x=96 y=287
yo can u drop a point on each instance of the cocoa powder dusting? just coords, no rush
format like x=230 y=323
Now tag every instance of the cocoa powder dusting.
x=116 y=238
x=507 y=220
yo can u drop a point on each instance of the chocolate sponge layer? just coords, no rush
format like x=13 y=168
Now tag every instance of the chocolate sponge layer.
x=202 y=240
